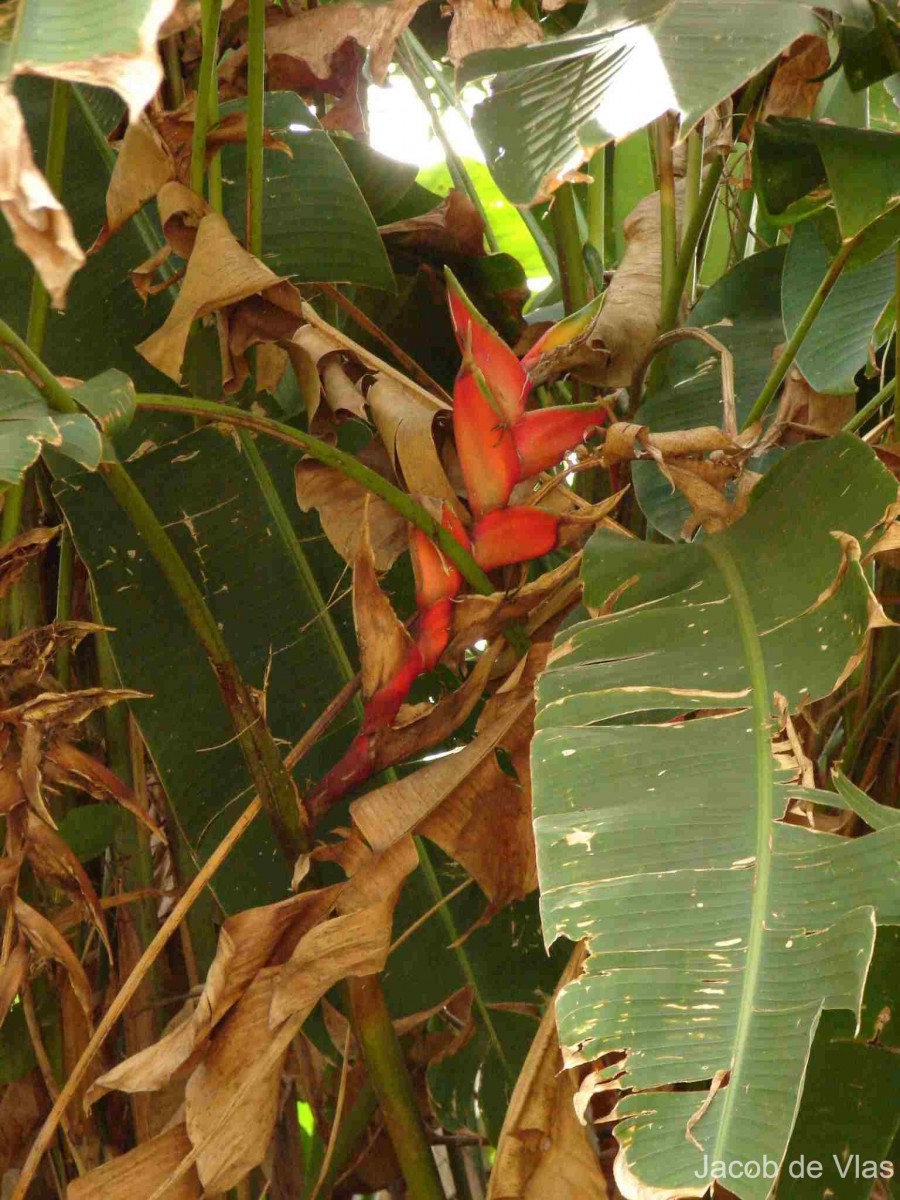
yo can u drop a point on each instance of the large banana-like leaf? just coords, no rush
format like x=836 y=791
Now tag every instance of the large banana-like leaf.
x=717 y=933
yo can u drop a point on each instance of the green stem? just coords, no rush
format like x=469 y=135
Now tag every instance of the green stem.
x=172 y=59
x=545 y=249
x=855 y=741
x=446 y=916
x=596 y=207
x=693 y=227
x=256 y=99
x=352 y=1127
x=887 y=393
x=572 y=275
x=206 y=84
x=782 y=366
x=331 y=456
x=387 y=1069
x=39 y=307
x=668 y=229
x=267 y=771
x=417 y=63
x=692 y=185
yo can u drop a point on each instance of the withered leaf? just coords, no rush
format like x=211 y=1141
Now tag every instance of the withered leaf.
x=143 y=165
x=454 y=227
x=18 y=552
x=139 y=1173
x=34 y=648
x=12 y=976
x=65 y=763
x=40 y=225
x=544 y=1152
x=48 y=942
x=317 y=34
x=486 y=25
x=53 y=860
x=51 y=710
x=798 y=78
x=404 y=417
x=384 y=642
x=220 y=274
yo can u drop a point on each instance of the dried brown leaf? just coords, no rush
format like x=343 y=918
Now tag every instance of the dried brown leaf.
x=23 y=1105
x=12 y=976
x=76 y=1034
x=34 y=648
x=246 y=942
x=220 y=274
x=544 y=1152
x=485 y=25
x=48 y=942
x=54 y=710
x=65 y=763
x=404 y=417
x=52 y=859
x=137 y=1174
x=19 y=551
x=384 y=643
x=620 y=335
x=341 y=504
x=454 y=227
x=798 y=78
x=143 y=166
x=802 y=405
x=40 y=226
x=316 y=35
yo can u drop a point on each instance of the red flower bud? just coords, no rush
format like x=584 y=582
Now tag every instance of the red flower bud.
x=485 y=445
x=545 y=436
x=513 y=535
x=506 y=378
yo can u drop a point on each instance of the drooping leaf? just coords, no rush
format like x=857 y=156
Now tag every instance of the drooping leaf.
x=717 y=934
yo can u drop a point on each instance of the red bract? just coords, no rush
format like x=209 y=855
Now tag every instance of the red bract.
x=545 y=436
x=508 y=380
x=484 y=443
x=513 y=535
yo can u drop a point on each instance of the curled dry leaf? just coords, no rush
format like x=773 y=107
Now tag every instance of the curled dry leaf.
x=316 y=35
x=220 y=275
x=143 y=166
x=76 y=1033
x=466 y=803
x=798 y=79
x=246 y=942
x=815 y=411
x=48 y=942
x=52 y=859
x=40 y=225
x=319 y=366
x=12 y=976
x=52 y=710
x=485 y=25
x=384 y=643
x=544 y=1152
x=404 y=417
x=33 y=649
x=137 y=1174
x=66 y=764
x=616 y=341
x=19 y=551
x=454 y=227
x=341 y=504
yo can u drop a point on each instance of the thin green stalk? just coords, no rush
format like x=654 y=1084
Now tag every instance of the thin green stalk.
x=352 y=1127
x=888 y=392
x=572 y=275
x=545 y=249
x=693 y=227
x=256 y=99
x=782 y=366
x=667 y=216
x=855 y=741
x=267 y=771
x=64 y=580
x=331 y=456
x=692 y=185
x=609 y=180
x=387 y=1070
x=446 y=916
x=172 y=60
x=416 y=63
x=596 y=207
x=206 y=83
x=39 y=307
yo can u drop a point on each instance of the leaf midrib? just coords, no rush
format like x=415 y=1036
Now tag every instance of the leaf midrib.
x=762 y=871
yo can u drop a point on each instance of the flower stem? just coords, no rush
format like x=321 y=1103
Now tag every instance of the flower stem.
x=872 y=406
x=256 y=100
x=572 y=275
x=668 y=225
x=782 y=366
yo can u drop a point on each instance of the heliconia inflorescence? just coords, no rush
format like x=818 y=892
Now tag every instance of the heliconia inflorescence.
x=499 y=445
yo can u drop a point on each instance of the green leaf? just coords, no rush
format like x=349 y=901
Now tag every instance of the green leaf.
x=110 y=399
x=202 y=489
x=316 y=224
x=625 y=63
x=837 y=345
x=717 y=933
x=80 y=439
x=793 y=158
x=16 y=1054
x=383 y=181
x=26 y=425
x=742 y=311
x=89 y=829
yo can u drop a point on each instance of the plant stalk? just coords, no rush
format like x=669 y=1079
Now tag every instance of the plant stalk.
x=897 y=350
x=572 y=275
x=387 y=1069
x=667 y=215
x=888 y=392
x=256 y=100
x=270 y=778
x=64 y=580
x=782 y=366
x=596 y=206
x=206 y=85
